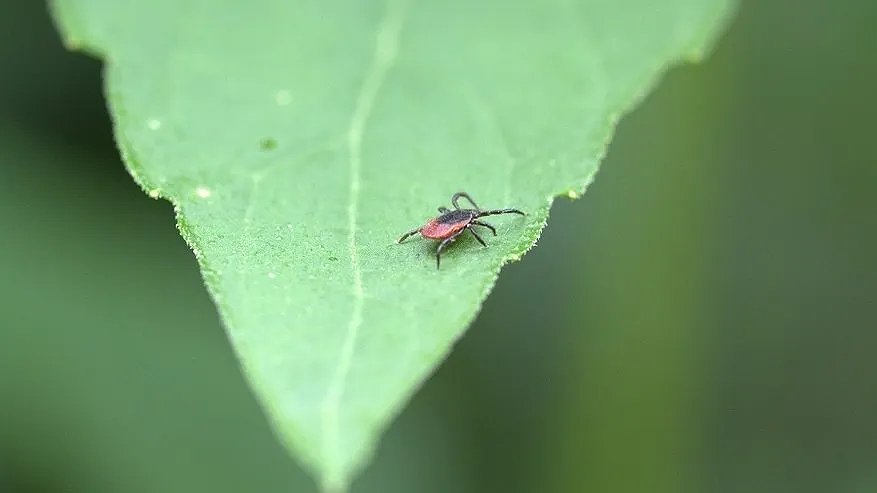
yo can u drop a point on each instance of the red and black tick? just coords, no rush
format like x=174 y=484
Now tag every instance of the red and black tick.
x=452 y=223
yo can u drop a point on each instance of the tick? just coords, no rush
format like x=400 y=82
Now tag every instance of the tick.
x=452 y=223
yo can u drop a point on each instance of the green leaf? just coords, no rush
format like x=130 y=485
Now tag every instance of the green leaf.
x=299 y=140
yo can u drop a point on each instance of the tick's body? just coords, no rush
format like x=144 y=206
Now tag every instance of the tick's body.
x=448 y=224
x=452 y=223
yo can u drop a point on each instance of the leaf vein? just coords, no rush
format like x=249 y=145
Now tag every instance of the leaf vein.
x=385 y=51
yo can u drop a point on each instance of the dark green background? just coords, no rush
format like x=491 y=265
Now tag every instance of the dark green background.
x=703 y=320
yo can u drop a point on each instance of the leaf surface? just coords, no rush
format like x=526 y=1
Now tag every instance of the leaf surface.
x=299 y=140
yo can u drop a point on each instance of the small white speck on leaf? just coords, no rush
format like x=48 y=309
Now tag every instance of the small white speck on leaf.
x=572 y=194
x=272 y=275
x=282 y=97
x=154 y=193
x=153 y=124
x=203 y=192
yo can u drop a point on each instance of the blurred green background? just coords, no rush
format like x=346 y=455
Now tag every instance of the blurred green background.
x=703 y=320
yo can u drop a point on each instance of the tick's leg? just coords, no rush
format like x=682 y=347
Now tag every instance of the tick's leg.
x=457 y=196
x=471 y=230
x=443 y=244
x=479 y=223
x=406 y=235
x=500 y=211
x=444 y=209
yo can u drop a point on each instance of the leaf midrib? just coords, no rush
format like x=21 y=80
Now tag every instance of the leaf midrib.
x=385 y=52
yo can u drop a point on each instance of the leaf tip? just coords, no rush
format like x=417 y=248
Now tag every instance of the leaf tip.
x=334 y=483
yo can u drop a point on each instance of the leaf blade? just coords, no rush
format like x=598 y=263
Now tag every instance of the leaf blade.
x=285 y=137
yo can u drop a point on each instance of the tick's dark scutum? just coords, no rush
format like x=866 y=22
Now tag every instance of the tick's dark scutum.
x=457 y=216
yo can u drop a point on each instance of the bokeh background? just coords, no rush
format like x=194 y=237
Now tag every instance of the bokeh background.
x=702 y=320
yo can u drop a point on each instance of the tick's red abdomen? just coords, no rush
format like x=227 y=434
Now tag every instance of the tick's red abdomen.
x=436 y=230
